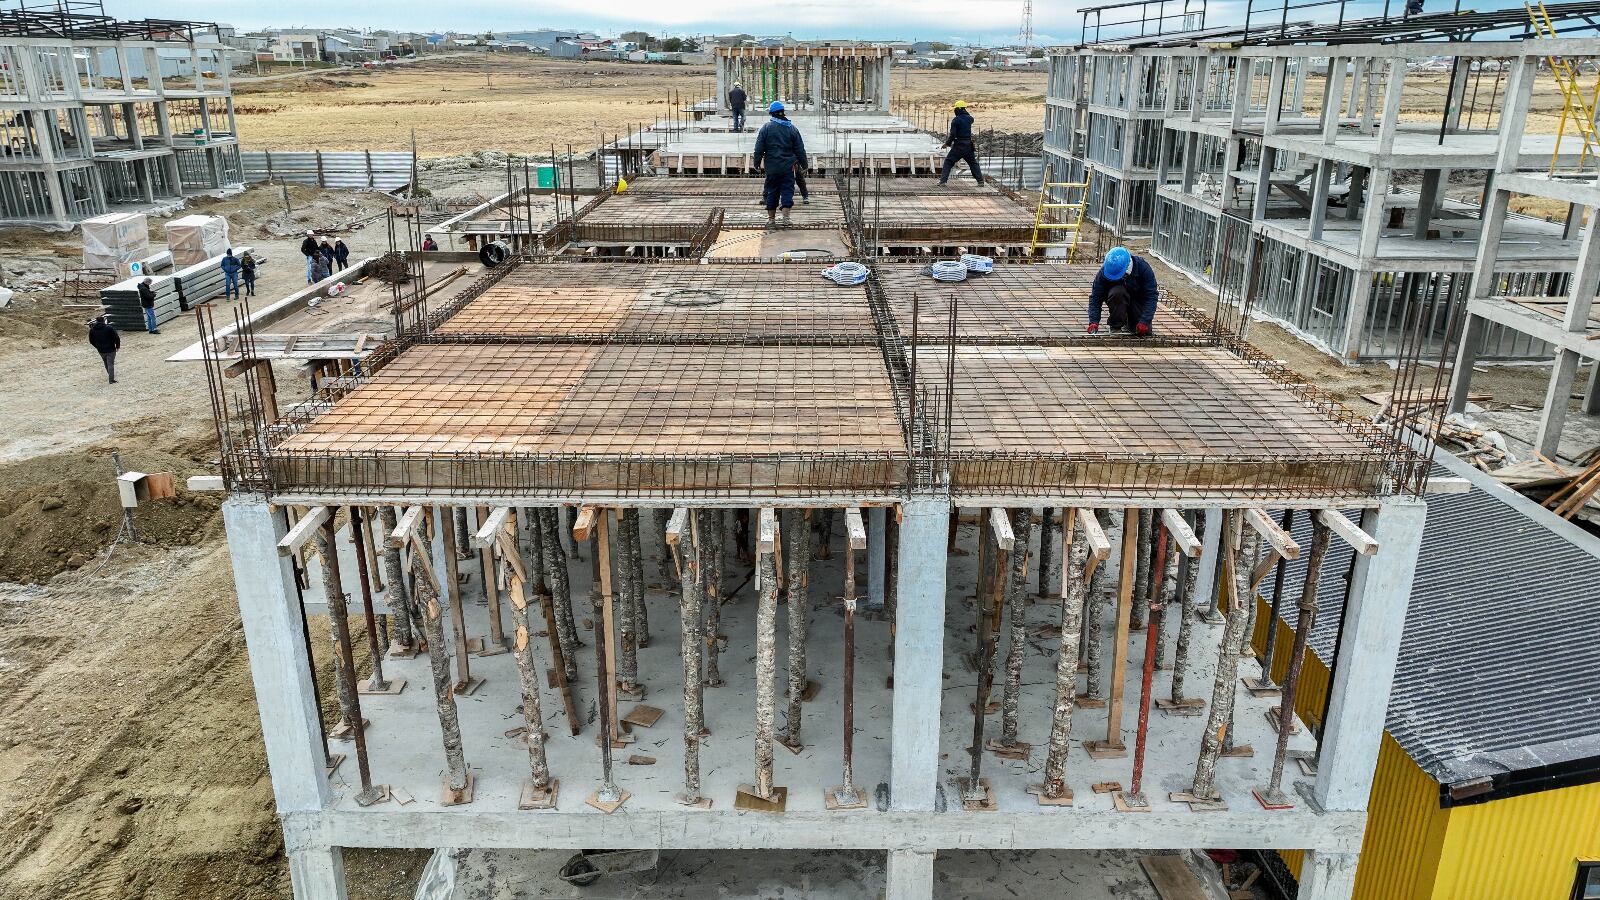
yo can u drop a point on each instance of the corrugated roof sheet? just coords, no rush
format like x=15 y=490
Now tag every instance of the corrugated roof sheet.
x=1499 y=666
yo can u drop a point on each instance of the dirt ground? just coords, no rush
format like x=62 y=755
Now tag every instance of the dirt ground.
x=465 y=104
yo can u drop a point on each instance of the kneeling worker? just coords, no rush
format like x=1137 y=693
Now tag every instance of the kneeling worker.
x=1127 y=285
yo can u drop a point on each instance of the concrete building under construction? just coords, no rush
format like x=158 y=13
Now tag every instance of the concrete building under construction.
x=102 y=115
x=878 y=520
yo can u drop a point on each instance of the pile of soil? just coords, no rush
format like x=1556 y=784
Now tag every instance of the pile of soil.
x=59 y=512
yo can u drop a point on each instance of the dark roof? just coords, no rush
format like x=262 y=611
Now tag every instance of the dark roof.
x=1499 y=669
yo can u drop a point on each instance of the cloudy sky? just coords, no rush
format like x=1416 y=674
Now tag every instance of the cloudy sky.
x=986 y=21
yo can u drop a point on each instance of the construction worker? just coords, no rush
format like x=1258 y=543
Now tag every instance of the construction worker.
x=147 y=302
x=736 y=102
x=779 y=148
x=309 y=249
x=959 y=140
x=104 y=338
x=1127 y=285
x=230 y=275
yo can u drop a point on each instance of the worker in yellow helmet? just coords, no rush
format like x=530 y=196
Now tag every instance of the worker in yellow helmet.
x=960 y=143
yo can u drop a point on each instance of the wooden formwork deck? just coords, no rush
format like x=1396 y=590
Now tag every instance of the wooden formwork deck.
x=679 y=303
x=725 y=186
x=1142 y=419
x=740 y=210
x=1035 y=303
x=934 y=215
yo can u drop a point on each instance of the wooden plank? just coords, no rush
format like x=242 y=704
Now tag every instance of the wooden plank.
x=677 y=524
x=1001 y=524
x=303 y=530
x=1187 y=540
x=1099 y=543
x=405 y=527
x=583 y=525
x=854 y=527
x=1363 y=543
x=767 y=531
x=493 y=525
x=1172 y=879
x=1282 y=542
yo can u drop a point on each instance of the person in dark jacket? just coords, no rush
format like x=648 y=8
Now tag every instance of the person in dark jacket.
x=230 y=275
x=960 y=143
x=326 y=249
x=308 y=249
x=147 y=302
x=105 y=339
x=247 y=271
x=428 y=243
x=1127 y=285
x=736 y=102
x=779 y=148
x=341 y=255
x=321 y=268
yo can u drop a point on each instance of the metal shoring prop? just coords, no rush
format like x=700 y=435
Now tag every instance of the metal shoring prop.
x=846 y=795
x=1133 y=799
x=376 y=684
x=1264 y=686
x=976 y=793
x=608 y=797
x=1188 y=572
x=339 y=618
x=1272 y=796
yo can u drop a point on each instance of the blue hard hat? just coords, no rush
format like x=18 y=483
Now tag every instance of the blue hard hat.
x=777 y=106
x=1118 y=262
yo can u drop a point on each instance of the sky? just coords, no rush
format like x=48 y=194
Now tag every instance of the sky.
x=975 y=21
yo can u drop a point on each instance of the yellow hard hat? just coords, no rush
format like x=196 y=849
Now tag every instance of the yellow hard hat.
x=960 y=104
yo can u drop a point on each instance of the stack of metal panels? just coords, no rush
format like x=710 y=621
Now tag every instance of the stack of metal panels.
x=184 y=287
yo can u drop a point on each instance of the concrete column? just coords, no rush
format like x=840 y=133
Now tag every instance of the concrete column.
x=1390 y=123
x=1333 y=98
x=910 y=875
x=1280 y=69
x=816 y=81
x=1466 y=358
x=1205 y=582
x=1191 y=147
x=1374 y=620
x=1580 y=298
x=1591 y=394
x=1322 y=182
x=877 y=519
x=1427 y=200
x=1327 y=876
x=885 y=78
x=722 y=82
x=1197 y=88
x=281 y=674
x=918 y=656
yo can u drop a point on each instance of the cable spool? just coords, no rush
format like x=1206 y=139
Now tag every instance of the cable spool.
x=948 y=270
x=846 y=273
x=494 y=253
x=983 y=265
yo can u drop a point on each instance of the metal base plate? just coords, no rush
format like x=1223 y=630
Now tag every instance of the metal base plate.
x=1130 y=802
x=608 y=806
x=837 y=797
x=747 y=798
x=1197 y=804
x=1272 y=799
x=378 y=793
x=1261 y=687
x=395 y=686
x=536 y=798
x=975 y=804
x=449 y=797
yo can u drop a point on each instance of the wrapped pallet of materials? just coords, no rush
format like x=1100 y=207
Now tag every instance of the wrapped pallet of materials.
x=114 y=241
x=195 y=239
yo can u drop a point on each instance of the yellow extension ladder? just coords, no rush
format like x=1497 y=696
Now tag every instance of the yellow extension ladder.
x=1575 y=106
x=1075 y=226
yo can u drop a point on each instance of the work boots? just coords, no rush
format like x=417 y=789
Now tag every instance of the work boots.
x=786 y=217
x=772 y=218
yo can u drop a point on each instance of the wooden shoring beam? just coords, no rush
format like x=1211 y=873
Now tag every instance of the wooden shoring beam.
x=1351 y=533
x=493 y=525
x=303 y=530
x=405 y=528
x=1187 y=540
x=1282 y=543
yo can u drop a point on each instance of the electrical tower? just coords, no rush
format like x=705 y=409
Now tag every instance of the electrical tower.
x=1025 y=37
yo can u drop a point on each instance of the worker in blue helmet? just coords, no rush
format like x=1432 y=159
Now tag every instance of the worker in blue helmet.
x=1127 y=285
x=779 y=149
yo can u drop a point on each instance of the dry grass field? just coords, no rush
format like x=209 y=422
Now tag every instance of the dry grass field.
x=462 y=104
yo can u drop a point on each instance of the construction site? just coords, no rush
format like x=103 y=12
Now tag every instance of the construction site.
x=606 y=529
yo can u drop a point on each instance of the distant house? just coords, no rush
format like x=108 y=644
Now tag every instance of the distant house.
x=297 y=46
x=566 y=48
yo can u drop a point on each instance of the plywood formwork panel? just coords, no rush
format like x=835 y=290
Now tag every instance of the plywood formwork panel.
x=1042 y=303
x=729 y=186
x=758 y=303
x=1155 y=419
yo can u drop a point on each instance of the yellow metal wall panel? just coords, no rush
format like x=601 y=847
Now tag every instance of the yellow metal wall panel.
x=1525 y=846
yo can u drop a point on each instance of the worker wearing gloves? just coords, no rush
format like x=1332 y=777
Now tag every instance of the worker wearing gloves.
x=1127 y=285
x=736 y=102
x=960 y=143
x=779 y=149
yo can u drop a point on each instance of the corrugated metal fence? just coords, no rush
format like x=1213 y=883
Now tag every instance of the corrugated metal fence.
x=333 y=169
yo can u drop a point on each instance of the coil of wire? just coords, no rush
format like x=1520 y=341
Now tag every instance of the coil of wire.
x=846 y=273
x=976 y=263
x=948 y=270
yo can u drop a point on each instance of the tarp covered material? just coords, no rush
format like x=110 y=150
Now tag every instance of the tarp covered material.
x=115 y=240
x=195 y=239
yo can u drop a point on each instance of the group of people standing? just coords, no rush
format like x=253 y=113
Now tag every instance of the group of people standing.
x=323 y=259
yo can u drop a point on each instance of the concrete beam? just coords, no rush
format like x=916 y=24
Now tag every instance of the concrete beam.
x=1327 y=876
x=910 y=875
